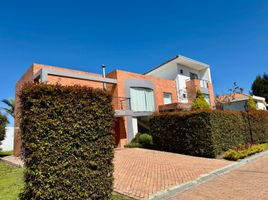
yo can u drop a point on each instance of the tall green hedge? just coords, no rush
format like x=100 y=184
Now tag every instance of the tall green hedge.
x=258 y=125
x=206 y=133
x=3 y=122
x=67 y=136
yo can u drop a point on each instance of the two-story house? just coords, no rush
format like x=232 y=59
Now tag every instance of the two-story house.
x=135 y=96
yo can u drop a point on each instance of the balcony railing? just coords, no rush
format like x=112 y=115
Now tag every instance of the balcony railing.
x=121 y=103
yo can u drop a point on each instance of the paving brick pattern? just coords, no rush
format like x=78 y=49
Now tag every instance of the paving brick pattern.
x=246 y=183
x=140 y=173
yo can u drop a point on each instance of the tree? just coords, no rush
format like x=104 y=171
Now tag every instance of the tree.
x=10 y=106
x=260 y=86
x=200 y=102
x=251 y=104
x=3 y=122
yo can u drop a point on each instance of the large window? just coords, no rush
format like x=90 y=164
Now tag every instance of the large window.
x=167 y=98
x=142 y=99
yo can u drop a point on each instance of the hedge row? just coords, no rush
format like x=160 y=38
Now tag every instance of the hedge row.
x=3 y=122
x=67 y=136
x=206 y=133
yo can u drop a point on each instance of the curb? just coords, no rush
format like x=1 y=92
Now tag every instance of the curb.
x=175 y=190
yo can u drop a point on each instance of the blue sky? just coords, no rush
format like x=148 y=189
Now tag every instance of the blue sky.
x=231 y=36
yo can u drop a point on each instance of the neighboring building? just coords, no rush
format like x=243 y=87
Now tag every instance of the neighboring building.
x=8 y=142
x=237 y=101
x=135 y=96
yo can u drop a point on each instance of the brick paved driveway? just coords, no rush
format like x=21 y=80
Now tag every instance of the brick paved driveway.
x=246 y=183
x=140 y=173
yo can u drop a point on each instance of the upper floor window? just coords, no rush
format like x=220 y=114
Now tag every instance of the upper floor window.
x=142 y=99
x=167 y=98
x=181 y=71
x=193 y=76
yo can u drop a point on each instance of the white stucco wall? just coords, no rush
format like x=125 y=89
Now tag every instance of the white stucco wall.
x=7 y=143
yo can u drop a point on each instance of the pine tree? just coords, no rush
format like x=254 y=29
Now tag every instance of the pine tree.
x=260 y=86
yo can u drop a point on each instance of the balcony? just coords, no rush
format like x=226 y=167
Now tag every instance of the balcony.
x=122 y=106
x=174 y=106
x=193 y=85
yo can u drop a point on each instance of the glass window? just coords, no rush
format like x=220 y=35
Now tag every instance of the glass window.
x=142 y=99
x=193 y=76
x=167 y=98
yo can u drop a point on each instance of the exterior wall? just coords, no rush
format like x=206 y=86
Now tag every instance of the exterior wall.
x=192 y=87
x=235 y=106
x=123 y=125
x=161 y=85
x=261 y=106
x=8 y=142
x=28 y=77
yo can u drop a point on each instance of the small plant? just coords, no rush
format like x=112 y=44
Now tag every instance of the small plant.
x=146 y=140
x=236 y=154
x=200 y=102
x=141 y=140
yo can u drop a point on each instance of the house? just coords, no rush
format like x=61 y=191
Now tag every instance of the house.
x=136 y=97
x=237 y=102
x=189 y=75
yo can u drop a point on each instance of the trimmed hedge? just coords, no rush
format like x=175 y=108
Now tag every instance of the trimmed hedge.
x=3 y=123
x=206 y=133
x=67 y=138
x=258 y=125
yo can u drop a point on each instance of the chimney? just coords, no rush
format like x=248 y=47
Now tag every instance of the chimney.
x=104 y=76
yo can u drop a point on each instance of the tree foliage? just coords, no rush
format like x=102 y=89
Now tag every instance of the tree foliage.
x=260 y=86
x=3 y=122
x=10 y=106
x=200 y=102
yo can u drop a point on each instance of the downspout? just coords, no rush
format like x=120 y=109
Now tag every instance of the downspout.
x=104 y=76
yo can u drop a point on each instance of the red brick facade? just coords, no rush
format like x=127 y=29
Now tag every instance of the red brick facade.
x=161 y=86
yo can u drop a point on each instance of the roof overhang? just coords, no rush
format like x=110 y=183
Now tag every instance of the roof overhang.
x=182 y=60
x=43 y=74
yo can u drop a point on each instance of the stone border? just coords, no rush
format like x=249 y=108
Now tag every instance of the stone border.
x=175 y=190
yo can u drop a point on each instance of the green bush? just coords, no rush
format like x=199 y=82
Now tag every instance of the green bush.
x=3 y=123
x=207 y=133
x=232 y=154
x=201 y=133
x=251 y=103
x=67 y=137
x=258 y=126
x=146 y=140
x=141 y=140
x=200 y=102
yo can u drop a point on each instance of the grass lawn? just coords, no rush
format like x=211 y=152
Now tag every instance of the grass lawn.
x=11 y=182
x=5 y=153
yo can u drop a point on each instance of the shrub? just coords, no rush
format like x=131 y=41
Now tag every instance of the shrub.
x=202 y=133
x=200 y=102
x=146 y=140
x=67 y=136
x=251 y=104
x=3 y=123
x=141 y=140
x=207 y=133
x=258 y=125
x=232 y=154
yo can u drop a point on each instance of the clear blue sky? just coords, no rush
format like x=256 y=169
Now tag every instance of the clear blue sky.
x=231 y=36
